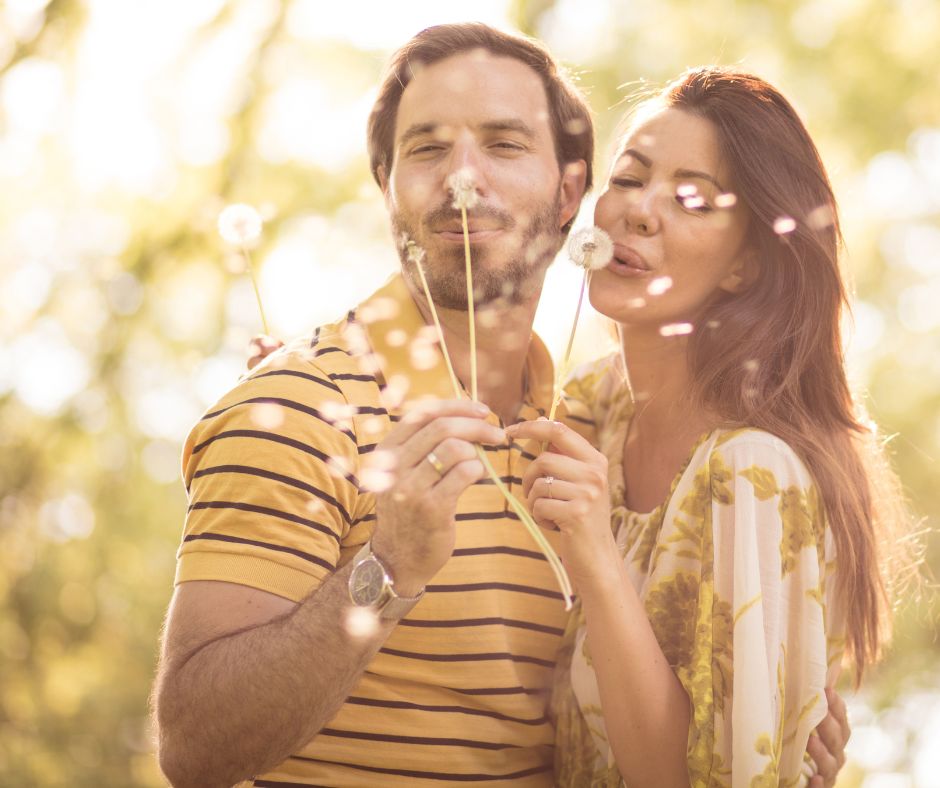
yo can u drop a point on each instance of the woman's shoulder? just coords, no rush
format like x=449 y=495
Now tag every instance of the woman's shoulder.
x=597 y=384
x=756 y=455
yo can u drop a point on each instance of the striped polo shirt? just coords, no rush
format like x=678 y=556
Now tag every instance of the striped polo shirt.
x=280 y=475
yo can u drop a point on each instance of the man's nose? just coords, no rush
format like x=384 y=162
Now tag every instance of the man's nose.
x=467 y=162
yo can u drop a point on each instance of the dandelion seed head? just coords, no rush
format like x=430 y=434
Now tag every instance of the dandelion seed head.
x=267 y=415
x=687 y=190
x=693 y=202
x=590 y=248
x=726 y=200
x=636 y=303
x=784 y=225
x=659 y=285
x=821 y=217
x=676 y=329
x=415 y=253
x=463 y=187
x=240 y=224
x=361 y=622
x=396 y=337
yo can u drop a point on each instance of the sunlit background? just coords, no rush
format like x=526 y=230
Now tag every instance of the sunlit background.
x=125 y=127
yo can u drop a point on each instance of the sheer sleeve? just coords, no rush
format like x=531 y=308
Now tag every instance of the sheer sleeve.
x=760 y=655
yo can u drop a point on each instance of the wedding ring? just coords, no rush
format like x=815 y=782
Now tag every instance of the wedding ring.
x=436 y=464
x=548 y=481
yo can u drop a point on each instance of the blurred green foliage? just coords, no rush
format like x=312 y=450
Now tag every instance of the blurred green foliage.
x=122 y=313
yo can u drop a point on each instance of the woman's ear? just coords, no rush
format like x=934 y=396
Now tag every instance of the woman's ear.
x=742 y=276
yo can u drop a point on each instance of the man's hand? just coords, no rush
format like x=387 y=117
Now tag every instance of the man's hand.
x=261 y=347
x=434 y=460
x=827 y=743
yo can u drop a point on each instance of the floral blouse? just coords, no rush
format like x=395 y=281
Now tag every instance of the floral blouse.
x=735 y=569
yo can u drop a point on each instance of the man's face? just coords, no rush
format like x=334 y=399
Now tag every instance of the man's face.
x=486 y=115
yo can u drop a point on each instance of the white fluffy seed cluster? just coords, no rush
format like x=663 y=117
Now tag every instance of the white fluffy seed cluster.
x=240 y=224
x=464 y=188
x=590 y=248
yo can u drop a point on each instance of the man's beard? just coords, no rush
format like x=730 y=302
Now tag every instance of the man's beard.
x=515 y=281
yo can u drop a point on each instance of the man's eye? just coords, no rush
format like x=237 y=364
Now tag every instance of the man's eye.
x=508 y=145
x=429 y=148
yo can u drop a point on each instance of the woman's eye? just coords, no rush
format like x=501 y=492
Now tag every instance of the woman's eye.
x=693 y=202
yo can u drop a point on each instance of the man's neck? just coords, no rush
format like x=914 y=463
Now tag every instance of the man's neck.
x=503 y=334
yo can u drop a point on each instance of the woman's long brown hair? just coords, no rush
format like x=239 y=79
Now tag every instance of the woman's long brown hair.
x=773 y=357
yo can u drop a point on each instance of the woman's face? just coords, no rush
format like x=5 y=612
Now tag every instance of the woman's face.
x=678 y=231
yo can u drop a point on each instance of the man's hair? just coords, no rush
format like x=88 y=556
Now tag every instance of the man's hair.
x=569 y=113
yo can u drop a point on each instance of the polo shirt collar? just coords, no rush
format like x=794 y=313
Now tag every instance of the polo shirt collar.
x=406 y=354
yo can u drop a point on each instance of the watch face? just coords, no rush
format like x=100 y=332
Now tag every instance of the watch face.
x=367 y=582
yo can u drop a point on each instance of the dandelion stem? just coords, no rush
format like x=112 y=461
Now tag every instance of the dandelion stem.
x=470 y=310
x=563 y=369
x=254 y=284
x=527 y=520
x=440 y=332
x=532 y=527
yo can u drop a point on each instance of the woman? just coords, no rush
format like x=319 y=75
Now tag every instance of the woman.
x=742 y=561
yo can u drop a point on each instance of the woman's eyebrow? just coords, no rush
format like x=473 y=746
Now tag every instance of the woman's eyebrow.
x=697 y=174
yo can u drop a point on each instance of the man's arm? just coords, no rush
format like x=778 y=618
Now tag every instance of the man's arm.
x=268 y=677
x=247 y=677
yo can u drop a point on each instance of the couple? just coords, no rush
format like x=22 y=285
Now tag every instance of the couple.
x=355 y=604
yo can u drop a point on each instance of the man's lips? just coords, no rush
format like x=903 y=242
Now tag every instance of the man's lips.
x=475 y=234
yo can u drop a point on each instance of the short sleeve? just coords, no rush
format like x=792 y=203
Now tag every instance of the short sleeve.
x=271 y=478
x=765 y=647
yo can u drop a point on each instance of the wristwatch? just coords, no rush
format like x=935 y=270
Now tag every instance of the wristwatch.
x=371 y=586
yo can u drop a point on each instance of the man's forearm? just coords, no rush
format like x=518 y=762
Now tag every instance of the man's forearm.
x=243 y=703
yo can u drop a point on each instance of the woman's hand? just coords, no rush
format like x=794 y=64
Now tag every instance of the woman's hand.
x=260 y=347
x=566 y=486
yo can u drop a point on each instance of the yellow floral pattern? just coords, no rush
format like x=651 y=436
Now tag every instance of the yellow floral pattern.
x=735 y=571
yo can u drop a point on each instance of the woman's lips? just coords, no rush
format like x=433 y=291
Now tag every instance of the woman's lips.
x=627 y=262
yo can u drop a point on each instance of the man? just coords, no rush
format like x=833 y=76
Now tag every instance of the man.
x=355 y=603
